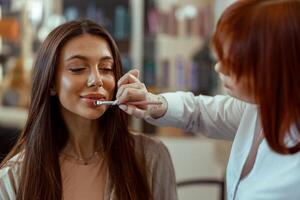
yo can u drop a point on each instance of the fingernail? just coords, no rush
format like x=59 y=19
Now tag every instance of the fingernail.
x=123 y=107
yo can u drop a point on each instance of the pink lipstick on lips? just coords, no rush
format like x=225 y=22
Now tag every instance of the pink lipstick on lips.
x=92 y=97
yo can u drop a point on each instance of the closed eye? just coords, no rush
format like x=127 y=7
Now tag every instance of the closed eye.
x=105 y=69
x=76 y=70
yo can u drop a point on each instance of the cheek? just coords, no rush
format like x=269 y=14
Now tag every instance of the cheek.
x=69 y=85
x=240 y=91
x=110 y=84
x=226 y=81
x=66 y=83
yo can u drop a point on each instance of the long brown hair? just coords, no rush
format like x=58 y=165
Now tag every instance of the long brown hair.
x=264 y=45
x=45 y=133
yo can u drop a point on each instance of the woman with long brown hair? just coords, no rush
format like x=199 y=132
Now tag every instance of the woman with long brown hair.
x=257 y=43
x=71 y=148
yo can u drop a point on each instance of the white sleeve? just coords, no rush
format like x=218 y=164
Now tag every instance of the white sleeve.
x=217 y=117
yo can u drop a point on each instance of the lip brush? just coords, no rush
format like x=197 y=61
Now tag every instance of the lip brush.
x=116 y=102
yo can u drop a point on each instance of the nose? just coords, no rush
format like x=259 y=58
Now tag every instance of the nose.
x=220 y=69
x=95 y=78
x=217 y=67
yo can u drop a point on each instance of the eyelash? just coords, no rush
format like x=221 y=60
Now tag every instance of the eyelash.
x=78 y=70
x=105 y=69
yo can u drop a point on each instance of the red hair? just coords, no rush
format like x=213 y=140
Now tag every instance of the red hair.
x=263 y=39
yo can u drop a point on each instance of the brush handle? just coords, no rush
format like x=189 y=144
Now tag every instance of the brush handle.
x=138 y=103
x=100 y=103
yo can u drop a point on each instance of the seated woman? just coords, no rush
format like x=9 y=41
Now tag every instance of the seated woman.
x=71 y=149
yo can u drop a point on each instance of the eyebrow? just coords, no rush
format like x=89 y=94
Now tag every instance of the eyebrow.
x=108 y=58
x=104 y=58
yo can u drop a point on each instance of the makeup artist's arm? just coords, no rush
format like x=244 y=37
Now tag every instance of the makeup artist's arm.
x=130 y=89
x=217 y=116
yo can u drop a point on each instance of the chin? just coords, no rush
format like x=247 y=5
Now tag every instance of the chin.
x=93 y=116
x=229 y=92
x=242 y=98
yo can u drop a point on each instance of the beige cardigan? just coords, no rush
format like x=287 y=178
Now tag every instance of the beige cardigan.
x=160 y=172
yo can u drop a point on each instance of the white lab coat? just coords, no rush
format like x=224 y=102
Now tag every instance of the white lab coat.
x=273 y=176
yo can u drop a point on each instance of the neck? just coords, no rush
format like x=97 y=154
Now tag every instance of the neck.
x=81 y=144
x=83 y=139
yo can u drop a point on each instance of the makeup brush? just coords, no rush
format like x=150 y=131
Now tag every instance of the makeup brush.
x=116 y=102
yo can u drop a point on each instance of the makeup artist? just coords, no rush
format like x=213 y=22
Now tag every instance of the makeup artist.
x=257 y=43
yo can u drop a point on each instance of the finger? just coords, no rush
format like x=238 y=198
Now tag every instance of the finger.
x=132 y=110
x=133 y=98
x=130 y=77
x=131 y=85
x=136 y=73
x=138 y=85
x=139 y=113
x=132 y=95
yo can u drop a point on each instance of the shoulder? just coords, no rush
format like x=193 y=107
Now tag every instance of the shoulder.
x=153 y=150
x=159 y=166
x=141 y=138
x=150 y=145
x=227 y=101
x=233 y=105
x=13 y=164
x=10 y=175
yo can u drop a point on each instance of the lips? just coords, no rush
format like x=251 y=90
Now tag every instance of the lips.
x=90 y=99
x=94 y=96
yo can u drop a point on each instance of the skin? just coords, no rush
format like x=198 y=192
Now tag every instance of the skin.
x=233 y=87
x=85 y=58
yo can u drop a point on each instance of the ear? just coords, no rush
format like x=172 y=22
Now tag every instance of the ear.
x=53 y=91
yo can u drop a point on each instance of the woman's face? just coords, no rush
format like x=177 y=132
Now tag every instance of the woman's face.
x=85 y=74
x=233 y=87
